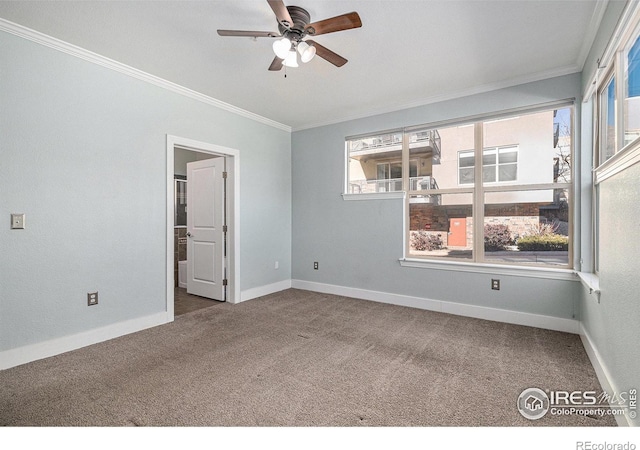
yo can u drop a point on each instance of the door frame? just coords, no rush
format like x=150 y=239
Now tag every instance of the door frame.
x=232 y=158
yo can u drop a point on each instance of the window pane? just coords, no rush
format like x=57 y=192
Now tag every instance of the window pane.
x=370 y=162
x=424 y=154
x=632 y=94
x=608 y=121
x=466 y=175
x=489 y=157
x=424 y=147
x=466 y=159
x=383 y=171
x=396 y=170
x=527 y=227
x=507 y=172
x=455 y=145
x=489 y=174
x=530 y=148
x=563 y=147
x=508 y=155
x=441 y=226
x=413 y=168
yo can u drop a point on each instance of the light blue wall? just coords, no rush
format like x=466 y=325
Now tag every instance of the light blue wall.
x=612 y=325
x=83 y=155
x=358 y=243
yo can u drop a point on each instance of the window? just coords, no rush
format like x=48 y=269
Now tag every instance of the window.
x=607 y=104
x=498 y=165
x=492 y=191
x=617 y=117
x=524 y=189
x=615 y=93
x=389 y=175
x=374 y=163
x=466 y=162
x=632 y=92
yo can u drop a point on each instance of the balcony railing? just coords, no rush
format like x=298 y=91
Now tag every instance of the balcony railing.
x=424 y=183
x=385 y=140
x=429 y=140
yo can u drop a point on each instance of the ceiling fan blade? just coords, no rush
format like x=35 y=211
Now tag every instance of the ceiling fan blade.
x=338 y=23
x=276 y=64
x=248 y=33
x=282 y=14
x=325 y=53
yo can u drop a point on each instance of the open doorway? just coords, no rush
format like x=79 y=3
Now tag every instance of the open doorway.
x=181 y=153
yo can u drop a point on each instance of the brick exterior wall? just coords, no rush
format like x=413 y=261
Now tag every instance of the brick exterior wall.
x=519 y=217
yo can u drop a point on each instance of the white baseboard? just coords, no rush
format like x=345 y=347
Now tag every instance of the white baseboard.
x=34 y=352
x=23 y=355
x=260 y=291
x=460 y=309
x=602 y=373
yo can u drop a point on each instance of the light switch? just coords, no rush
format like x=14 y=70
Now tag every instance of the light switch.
x=17 y=221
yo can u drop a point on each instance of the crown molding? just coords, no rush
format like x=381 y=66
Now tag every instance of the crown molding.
x=558 y=72
x=78 y=52
x=592 y=32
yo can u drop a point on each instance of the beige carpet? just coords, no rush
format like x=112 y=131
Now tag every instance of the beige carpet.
x=298 y=358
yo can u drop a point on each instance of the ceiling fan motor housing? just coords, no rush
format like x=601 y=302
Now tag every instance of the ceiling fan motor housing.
x=301 y=18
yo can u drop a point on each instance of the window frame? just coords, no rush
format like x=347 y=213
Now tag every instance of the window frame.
x=613 y=65
x=346 y=189
x=478 y=262
x=479 y=189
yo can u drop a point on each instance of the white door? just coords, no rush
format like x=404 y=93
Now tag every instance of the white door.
x=205 y=220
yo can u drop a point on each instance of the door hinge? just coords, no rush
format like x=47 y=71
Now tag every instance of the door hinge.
x=224 y=282
x=224 y=175
x=224 y=228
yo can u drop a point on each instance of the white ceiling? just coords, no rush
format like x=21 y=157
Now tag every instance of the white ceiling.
x=407 y=53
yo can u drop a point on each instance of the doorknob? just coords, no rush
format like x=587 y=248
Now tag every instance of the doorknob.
x=188 y=234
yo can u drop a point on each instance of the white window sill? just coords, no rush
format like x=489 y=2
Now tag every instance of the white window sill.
x=375 y=196
x=592 y=282
x=494 y=269
x=622 y=160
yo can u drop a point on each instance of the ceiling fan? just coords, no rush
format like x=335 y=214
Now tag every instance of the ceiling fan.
x=294 y=25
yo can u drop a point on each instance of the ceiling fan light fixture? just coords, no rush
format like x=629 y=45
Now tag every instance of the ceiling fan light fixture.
x=281 y=47
x=291 y=60
x=307 y=52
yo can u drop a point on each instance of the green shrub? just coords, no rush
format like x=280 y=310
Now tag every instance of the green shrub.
x=496 y=237
x=545 y=243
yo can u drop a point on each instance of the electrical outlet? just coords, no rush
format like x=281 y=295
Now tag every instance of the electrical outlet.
x=92 y=298
x=495 y=284
x=315 y=265
x=276 y=265
x=17 y=221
